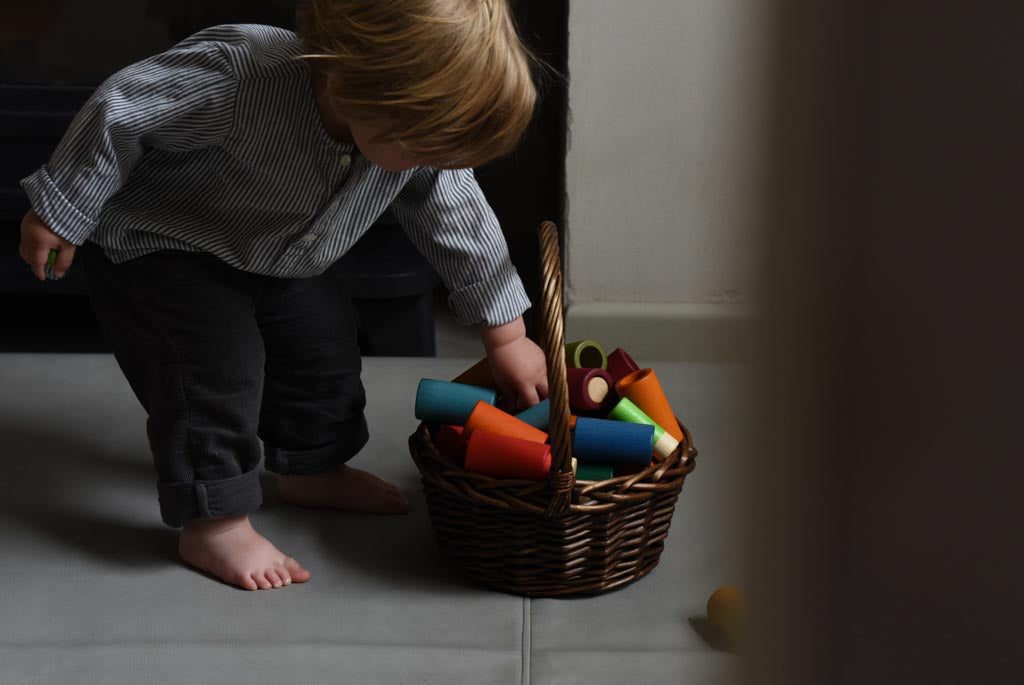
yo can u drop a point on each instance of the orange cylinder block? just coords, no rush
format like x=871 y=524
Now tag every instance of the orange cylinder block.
x=644 y=390
x=493 y=420
x=501 y=456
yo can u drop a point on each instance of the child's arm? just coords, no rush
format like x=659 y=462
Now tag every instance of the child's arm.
x=182 y=99
x=517 y=364
x=446 y=215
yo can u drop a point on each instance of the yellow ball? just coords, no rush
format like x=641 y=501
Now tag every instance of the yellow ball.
x=725 y=611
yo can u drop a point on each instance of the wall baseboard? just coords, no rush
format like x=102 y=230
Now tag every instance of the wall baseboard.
x=666 y=331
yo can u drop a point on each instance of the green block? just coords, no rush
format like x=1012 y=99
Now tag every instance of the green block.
x=593 y=472
x=626 y=410
x=585 y=354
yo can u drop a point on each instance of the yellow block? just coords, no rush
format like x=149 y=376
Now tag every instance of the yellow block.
x=725 y=611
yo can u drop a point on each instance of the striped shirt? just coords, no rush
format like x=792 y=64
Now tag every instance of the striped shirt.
x=217 y=146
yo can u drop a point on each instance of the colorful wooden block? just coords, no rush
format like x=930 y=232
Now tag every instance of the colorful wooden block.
x=493 y=420
x=449 y=403
x=585 y=354
x=644 y=390
x=49 y=271
x=612 y=442
x=450 y=441
x=588 y=388
x=620 y=364
x=537 y=416
x=626 y=410
x=502 y=456
x=595 y=472
x=725 y=611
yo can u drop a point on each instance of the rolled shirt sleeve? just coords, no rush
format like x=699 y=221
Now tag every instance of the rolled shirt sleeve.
x=180 y=100
x=447 y=217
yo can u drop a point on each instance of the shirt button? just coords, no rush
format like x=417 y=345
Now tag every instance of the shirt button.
x=345 y=160
x=309 y=238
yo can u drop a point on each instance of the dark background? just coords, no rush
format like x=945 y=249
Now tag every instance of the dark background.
x=53 y=53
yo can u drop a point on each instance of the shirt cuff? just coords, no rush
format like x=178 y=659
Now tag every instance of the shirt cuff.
x=492 y=302
x=55 y=210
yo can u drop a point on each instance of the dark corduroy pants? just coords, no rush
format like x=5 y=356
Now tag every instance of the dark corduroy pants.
x=222 y=360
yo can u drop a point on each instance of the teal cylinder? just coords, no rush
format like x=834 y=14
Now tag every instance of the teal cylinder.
x=537 y=416
x=449 y=403
x=600 y=441
x=596 y=472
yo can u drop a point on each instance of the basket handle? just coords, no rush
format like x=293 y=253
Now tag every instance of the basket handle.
x=552 y=342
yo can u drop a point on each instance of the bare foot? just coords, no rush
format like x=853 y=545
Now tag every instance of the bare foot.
x=228 y=548
x=343 y=488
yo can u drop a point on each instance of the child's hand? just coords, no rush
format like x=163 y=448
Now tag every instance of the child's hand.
x=517 y=364
x=36 y=242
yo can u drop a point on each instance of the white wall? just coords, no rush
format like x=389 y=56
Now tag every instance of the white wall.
x=665 y=110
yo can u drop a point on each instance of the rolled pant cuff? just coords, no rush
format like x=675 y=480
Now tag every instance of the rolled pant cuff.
x=318 y=459
x=182 y=502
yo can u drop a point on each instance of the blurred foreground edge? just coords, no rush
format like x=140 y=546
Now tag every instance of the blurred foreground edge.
x=885 y=462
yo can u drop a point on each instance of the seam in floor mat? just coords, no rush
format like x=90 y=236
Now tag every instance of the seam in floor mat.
x=526 y=641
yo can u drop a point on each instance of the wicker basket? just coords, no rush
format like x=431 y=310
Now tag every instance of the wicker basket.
x=558 y=537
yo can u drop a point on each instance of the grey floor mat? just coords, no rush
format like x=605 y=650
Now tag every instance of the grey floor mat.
x=93 y=592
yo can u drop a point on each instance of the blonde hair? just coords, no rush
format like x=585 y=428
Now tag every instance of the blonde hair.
x=450 y=79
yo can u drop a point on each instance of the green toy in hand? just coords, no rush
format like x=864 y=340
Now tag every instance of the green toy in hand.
x=51 y=259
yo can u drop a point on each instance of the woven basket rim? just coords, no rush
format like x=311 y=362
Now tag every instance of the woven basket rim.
x=533 y=496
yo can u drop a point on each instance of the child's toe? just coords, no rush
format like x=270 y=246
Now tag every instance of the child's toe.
x=274 y=577
x=261 y=580
x=295 y=570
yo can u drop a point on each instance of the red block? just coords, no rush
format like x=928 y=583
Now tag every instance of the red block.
x=620 y=364
x=450 y=442
x=501 y=456
x=589 y=389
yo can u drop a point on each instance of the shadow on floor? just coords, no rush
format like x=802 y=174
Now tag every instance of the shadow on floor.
x=55 y=484
x=47 y=488
x=711 y=635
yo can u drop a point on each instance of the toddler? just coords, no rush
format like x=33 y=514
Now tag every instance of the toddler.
x=206 y=190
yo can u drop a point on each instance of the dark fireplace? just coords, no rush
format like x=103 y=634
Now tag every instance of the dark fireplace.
x=53 y=53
